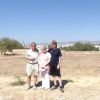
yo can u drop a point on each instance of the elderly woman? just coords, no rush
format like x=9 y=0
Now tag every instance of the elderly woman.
x=44 y=60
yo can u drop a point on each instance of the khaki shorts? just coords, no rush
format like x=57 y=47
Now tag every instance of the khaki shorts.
x=32 y=69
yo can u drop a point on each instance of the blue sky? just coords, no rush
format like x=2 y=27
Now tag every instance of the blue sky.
x=45 y=20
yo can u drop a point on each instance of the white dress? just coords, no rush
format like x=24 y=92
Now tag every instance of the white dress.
x=43 y=61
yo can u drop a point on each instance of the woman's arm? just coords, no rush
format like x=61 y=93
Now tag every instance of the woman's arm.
x=47 y=62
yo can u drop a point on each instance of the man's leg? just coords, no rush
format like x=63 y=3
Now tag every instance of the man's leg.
x=35 y=81
x=29 y=74
x=55 y=83
x=29 y=80
x=60 y=81
x=54 y=79
x=35 y=73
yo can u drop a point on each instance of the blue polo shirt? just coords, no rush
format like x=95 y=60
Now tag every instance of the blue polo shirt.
x=55 y=55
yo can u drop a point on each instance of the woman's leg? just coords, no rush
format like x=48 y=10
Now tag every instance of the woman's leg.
x=47 y=80
x=43 y=79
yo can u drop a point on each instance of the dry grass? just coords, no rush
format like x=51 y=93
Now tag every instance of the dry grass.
x=81 y=69
x=18 y=81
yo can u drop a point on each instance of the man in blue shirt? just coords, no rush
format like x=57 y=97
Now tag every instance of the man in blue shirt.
x=55 y=65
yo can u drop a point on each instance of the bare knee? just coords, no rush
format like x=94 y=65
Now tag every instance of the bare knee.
x=28 y=76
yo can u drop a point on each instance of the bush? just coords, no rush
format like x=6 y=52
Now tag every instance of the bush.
x=78 y=46
x=7 y=44
x=17 y=82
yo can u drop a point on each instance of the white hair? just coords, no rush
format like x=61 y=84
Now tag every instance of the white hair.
x=44 y=47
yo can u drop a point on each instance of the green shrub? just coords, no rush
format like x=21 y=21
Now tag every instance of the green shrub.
x=17 y=82
x=78 y=46
x=7 y=44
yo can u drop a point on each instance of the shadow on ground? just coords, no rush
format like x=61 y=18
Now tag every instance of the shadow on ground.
x=65 y=82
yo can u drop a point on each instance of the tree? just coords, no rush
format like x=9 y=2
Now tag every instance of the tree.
x=78 y=46
x=7 y=44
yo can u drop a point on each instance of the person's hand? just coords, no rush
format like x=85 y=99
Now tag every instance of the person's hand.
x=42 y=67
x=58 y=67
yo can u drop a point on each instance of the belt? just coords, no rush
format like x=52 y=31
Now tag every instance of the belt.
x=33 y=63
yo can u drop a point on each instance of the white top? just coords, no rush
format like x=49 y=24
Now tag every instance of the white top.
x=44 y=60
x=32 y=54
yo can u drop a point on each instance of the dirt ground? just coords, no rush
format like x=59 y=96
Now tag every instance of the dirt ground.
x=80 y=74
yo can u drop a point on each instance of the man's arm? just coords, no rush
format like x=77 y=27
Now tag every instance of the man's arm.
x=60 y=57
x=58 y=67
x=30 y=58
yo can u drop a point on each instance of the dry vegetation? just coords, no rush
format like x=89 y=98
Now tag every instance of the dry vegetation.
x=81 y=69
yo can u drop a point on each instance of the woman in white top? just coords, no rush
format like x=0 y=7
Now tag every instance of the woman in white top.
x=43 y=60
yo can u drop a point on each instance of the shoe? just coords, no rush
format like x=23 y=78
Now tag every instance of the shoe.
x=53 y=87
x=61 y=89
x=29 y=87
x=34 y=87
